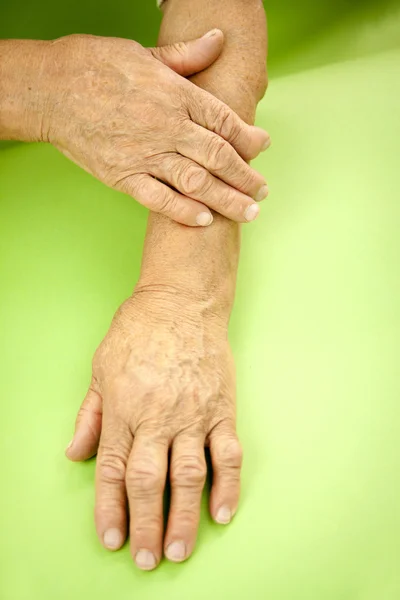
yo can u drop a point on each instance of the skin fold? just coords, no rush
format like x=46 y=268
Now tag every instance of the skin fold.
x=163 y=378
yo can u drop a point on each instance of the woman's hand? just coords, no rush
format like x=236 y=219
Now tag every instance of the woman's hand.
x=127 y=115
x=163 y=379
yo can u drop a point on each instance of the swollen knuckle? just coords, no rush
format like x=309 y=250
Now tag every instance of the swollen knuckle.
x=227 y=124
x=144 y=479
x=187 y=516
x=193 y=180
x=249 y=177
x=231 y=454
x=188 y=472
x=136 y=184
x=228 y=200
x=164 y=202
x=112 y=468
x=224 y=116
x=218 y=153
x=150 y=524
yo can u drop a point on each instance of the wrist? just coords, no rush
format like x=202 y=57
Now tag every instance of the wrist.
x=178 y=302
x=25 y=89
x=199 y=266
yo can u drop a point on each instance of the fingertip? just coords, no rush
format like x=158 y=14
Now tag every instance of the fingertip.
x=207 y=48
x=204 y=219
x=145 y=560
x=266 y=144
x=113 y=539
x=81 y=447
x=223 y=515
x=87 y=427
x=260 y=131
x=213 y=33
x=68 y=450
x=261 y=140
x=71 y=452
x=262 y=193
x=251 y=212
x=176 y=551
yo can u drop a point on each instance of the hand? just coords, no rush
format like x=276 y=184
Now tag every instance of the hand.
x=127 y=115
x=163 y=378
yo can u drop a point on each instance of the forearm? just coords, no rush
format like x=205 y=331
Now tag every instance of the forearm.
x=203 y=264
x=23 y=89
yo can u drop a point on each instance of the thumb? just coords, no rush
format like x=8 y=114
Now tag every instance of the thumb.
x=187 y=58
x=87 y=426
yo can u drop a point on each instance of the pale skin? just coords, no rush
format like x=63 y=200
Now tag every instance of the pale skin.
x=163 y=377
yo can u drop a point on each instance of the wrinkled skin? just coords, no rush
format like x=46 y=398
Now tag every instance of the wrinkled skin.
x=123 y=113
x=163 y=378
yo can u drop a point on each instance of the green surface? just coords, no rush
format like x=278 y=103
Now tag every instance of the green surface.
x=315 y=331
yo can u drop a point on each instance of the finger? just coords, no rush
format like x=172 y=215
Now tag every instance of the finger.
x=209 y=112
x=87 y=426
x=187 y=58
x=145 y=482
x=194 y=181
x=111 y=506
x=158 y=197
x=221 y=159
x=188 y=474
x=226 y=457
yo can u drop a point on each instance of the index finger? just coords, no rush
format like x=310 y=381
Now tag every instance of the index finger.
x=110 y=509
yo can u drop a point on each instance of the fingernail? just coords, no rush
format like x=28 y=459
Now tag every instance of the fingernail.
x=69 y=445
x=113 y=538
x=145 y=560
x=266 y=145
x=176 y=551
x=251 y=212
x=204 y=219
x=211 y=33
x=224 y=515
x=262 y=193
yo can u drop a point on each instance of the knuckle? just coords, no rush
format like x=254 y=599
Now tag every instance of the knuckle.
x=219 y=154
x=179 y=48
x=228 y=200
x=135 y=185
x=187 y=517
x=230 y=454
x=148 y=524
x=193 y=180
x=250 y=179
x=144 y=479
x=165 y=202
x=188 y=472
x=227 y=124
x=82 y=413
x=112 y=467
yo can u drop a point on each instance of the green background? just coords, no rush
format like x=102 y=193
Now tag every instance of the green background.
x=315 y=329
